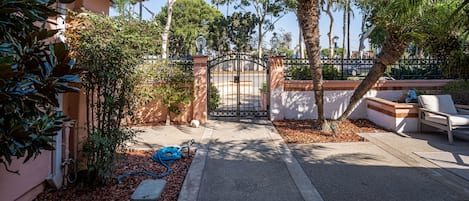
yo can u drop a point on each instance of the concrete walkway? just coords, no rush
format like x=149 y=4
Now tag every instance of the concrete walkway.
x=245 y=160
x=248 y=160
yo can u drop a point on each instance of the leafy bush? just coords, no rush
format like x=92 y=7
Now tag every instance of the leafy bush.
x=303 y=72
x=416 y=72
x=34 y=69
x=110 y=48
x=330 y=72
x=174 y=86
x=459 y=90
x=214 y=99
x=298 y=72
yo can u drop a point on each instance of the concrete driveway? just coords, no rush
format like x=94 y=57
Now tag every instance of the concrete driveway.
x=249 y=161
x=363 y=171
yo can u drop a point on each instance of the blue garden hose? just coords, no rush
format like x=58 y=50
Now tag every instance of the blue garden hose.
x=163 y=156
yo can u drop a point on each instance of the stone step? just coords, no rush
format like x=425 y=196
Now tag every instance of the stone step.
x=148 y=190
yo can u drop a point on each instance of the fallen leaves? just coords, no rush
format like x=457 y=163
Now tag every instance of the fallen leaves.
x=131 y=161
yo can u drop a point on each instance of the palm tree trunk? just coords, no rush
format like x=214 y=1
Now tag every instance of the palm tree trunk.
x=349 y=11
x=300 y=42
x=344 y=29
x=308 y=16
x=393 y=48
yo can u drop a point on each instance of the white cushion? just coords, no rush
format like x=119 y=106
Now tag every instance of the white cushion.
x=438 y=103
x=456 y=120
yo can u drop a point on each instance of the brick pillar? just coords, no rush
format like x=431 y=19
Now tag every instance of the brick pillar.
x=200 y=89
x=276 y=87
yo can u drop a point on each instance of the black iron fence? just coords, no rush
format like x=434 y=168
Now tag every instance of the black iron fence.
x=356 y=69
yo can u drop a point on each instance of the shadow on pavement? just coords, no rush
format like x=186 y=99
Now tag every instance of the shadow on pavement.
x=367 y=174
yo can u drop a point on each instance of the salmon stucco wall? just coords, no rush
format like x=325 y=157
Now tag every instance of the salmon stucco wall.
x=154 y=113
x=32 y=175
x=96 y=6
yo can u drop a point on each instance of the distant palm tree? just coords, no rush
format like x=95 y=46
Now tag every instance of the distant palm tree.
x=350 y=15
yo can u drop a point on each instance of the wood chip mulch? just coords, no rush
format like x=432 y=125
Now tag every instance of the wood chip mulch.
x=131 y=161
x=301 y=132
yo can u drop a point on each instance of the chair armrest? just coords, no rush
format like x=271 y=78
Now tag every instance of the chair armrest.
x=465 y=107
x=435 y=113
x=462 y=109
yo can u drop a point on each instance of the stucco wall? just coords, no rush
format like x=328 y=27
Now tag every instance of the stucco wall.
x=96 y=6
x=33 y=173
x=302 y=105
x=296 y=100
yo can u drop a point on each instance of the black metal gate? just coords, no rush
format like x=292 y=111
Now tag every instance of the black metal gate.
x=238 y=86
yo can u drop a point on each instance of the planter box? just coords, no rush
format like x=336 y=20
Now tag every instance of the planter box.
x=398 y=117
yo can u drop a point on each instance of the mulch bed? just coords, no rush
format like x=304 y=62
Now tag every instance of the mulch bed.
x=301 y=132
x=131 y=161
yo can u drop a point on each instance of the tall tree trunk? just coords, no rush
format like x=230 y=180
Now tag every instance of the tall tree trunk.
x=140 y=9
x=344 y=29
x=364 y=35
x=349 y=11
x=329 y=34
x=301 y=50
x=259 y=41
x=308 y=16
x=393 y=48
x=165 y=35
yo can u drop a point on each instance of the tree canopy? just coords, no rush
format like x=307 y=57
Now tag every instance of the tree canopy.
x=191 y=18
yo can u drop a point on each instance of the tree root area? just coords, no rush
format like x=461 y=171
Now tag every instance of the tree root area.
x=303 y=132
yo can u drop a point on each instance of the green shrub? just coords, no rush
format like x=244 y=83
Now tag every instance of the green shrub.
x=303 y=72
x=214 y=99
x=175 y=86
x=34 y=69
x=110 y=48
x=459 y=90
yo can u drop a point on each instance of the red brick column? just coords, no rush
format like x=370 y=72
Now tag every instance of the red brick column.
x=200 y=89
x=276 y=87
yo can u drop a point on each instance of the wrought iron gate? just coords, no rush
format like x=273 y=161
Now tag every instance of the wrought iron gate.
x=238 y=86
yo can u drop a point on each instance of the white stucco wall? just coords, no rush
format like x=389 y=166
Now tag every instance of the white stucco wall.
x=301 y=104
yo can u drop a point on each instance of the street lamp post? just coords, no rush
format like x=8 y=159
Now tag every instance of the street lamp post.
x=335 y=38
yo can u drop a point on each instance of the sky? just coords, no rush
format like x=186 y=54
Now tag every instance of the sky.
x=288 y=23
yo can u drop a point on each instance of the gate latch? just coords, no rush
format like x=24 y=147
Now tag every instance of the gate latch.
x=236 y=79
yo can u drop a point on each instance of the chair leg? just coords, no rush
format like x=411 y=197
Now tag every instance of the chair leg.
x=419 y=127
x=450 y=136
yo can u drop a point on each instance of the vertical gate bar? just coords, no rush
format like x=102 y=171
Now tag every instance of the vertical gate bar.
x=209 y=83
x=237 y=85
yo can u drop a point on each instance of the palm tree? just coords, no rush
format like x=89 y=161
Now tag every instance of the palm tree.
x=400 y=18
x=308 y=16
x=350 y=14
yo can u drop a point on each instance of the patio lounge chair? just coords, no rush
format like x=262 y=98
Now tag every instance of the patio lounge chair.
x=439 y=111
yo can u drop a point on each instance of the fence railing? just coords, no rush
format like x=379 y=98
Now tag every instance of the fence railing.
x=187 y=64
x=355 y=69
